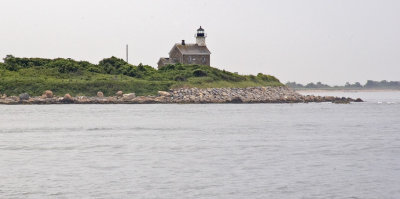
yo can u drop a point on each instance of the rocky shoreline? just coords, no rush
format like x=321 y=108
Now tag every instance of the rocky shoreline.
x=183 y=96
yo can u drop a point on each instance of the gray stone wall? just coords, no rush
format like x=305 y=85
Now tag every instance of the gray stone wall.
x=197 y=59
x=176 y=55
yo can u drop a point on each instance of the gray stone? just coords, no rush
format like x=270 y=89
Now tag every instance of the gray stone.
x=100 y=94
x=48 y=94
x=164 y=93
x=119 y=94
x=67 y=98
x=24 y=96
x=129 y=96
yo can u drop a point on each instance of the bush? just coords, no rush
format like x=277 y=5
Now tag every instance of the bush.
x=180 y=78
x=199 y=73
x=64 y=65
x=94 y=69
x=253 y=78
x=15 y=63
x=268 y=78
x=12 y=67
x=168 y=67
x=113 y=62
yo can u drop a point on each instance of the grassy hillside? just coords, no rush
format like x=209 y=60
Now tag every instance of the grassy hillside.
x=35 y=75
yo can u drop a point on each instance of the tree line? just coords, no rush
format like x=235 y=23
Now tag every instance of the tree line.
x=370 y=84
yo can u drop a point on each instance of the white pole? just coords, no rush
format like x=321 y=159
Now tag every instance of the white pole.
x=127 y=53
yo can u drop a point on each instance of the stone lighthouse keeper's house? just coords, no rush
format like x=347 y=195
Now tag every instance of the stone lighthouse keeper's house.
x=184 y=53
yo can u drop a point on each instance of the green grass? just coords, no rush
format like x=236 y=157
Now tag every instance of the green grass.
x=198 y=83
x=35 y=75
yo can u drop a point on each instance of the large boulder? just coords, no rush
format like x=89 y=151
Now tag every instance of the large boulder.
x=48 y=94
x=129 y=96
x=359 y=100
x=119 y=94
x=68 y=98
x=164 y=93
x=342 y=100
x=100 y=94
x=329 y=98
x=83 y=100
x=24 y=96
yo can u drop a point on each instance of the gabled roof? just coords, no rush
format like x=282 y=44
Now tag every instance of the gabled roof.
x=165 y=60
x=192 y=49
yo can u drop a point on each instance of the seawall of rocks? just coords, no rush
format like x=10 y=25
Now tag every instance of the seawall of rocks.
x=183 y=96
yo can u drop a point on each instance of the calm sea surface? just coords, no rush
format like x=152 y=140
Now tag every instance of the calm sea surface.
x=203 y=151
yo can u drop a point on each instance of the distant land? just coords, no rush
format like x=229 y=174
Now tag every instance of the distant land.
x=369 y=85
x=36 y=75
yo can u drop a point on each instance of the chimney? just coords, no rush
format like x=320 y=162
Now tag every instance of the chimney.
x=183 y=42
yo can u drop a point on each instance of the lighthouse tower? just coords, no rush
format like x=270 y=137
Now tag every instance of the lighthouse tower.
x=201 y=37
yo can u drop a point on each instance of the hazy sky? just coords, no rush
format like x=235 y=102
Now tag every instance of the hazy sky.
x=332 y=41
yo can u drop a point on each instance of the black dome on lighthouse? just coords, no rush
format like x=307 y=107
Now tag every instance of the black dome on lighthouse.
x=200 y=32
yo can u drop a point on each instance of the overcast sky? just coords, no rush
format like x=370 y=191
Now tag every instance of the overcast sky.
x=332 y=41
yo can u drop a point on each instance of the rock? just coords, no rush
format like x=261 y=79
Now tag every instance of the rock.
x=100 y=94
x=164 y=93
x=329 y=98
x=67 y=98
x=236 y=100
x=129 y=96
x=144 y=100
x=24 y=96
x=358 y=100
x=186 y=95
x=48 y=94
x=83 y=100
x=119 y=94
x=341 y=101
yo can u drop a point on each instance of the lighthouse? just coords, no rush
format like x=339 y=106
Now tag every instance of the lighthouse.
x=189 y=53
x=200 y=37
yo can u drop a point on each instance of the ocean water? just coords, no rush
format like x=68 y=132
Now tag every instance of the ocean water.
x=203 y=151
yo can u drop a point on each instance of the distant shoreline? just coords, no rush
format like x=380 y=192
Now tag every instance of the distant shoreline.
x=347 y=90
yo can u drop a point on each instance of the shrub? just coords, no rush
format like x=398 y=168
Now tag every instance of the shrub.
x=94 y=69
x=12 y=67
x=253 y=78
x=199 y=73
x=268 y=78
x=64 y=65
x=112 y=61
x=180 y=78
x=16 y=63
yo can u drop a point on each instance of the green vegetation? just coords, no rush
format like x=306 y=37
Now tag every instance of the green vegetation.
x=35 y=75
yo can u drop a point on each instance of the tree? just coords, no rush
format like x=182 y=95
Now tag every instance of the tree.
x=357 y=85
x=112 y=65
x=64 y=65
